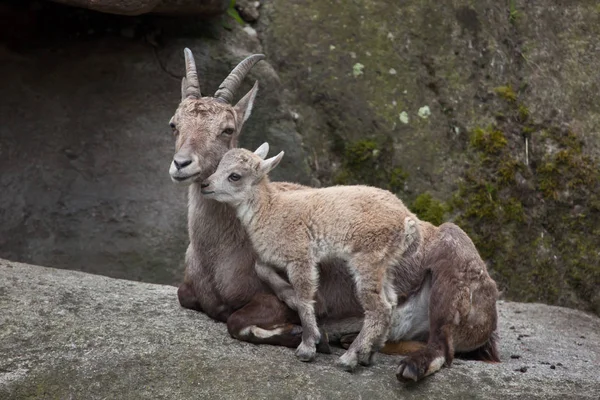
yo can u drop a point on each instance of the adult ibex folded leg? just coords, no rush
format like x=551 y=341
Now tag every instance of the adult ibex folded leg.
x=462 y=307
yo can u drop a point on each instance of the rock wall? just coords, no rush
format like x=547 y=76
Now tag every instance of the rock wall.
x=484 y=113
x=205 y=8
x=66 y=334
x=85 y=144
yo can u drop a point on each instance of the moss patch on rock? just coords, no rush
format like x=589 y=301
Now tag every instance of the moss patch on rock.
x=365 y=162
x=429 y=209
x=530 y=201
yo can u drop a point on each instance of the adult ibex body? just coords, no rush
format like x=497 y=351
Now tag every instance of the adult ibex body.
x=446 y=298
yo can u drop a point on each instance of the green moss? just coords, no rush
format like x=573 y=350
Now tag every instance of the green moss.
x=489 y=141
x=366 y=162
x=507 y=93
x=429 y=209
x=397 y=178
x=526 y=131
x=549 y=179
x=513 y=13
x=360 y=152
x=523 y=113
x=540 y=235
x=507 y=170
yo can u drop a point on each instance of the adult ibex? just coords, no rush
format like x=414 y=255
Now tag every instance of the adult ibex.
x=447 y=297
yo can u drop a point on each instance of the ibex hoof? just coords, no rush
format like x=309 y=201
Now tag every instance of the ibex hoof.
x=348 y=361
x=419 y=365
x=306 y=353
x=365 y=358
x=407 y=372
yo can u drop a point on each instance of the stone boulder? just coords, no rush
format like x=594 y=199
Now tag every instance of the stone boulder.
x=206 y=8
x=66 y=334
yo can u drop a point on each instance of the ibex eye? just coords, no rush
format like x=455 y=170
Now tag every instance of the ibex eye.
x=228 y=131
x=234 y=177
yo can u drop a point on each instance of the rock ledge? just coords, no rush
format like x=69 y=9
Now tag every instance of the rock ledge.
x=67 y=334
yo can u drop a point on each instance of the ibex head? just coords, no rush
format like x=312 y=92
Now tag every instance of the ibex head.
x=238 y=171
x=206 y=127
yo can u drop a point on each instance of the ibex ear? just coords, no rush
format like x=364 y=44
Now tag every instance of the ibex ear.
x=243 y=108
x=268 y=165
x=263 y=150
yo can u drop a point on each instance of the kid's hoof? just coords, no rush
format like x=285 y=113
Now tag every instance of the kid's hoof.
x=306 y=353
x=366 y=358
x=348 y=361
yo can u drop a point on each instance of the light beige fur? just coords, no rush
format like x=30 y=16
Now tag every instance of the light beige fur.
x=293 y=231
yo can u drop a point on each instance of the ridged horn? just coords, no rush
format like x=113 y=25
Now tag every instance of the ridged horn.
x=230 y=85
x=190 y=86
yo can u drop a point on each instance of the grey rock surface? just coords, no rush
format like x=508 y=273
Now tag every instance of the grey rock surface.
x=124 y=7
x=354 y=70
x=205 y=8
x=248 y=9
x=85 y=145
x=66 y=334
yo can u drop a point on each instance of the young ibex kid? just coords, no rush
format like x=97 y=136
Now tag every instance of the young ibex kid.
x=293 y=231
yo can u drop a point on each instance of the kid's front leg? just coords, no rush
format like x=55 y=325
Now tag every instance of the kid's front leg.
x=303 y=278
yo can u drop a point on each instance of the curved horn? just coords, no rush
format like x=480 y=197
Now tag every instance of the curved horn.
x=229 y=86
x=190 y=86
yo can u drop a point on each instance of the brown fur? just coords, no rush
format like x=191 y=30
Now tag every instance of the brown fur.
x=462 y=316
x=403 y=348
x=219 y=270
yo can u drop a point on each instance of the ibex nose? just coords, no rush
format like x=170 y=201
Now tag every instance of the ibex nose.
x=181 y=163
x=203 y=185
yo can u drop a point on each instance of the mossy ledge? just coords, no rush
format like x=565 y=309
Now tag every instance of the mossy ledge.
x=529 y=184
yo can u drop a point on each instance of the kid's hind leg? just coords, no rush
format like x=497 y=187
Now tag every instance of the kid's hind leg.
x=304 y=279
x=378 y=314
